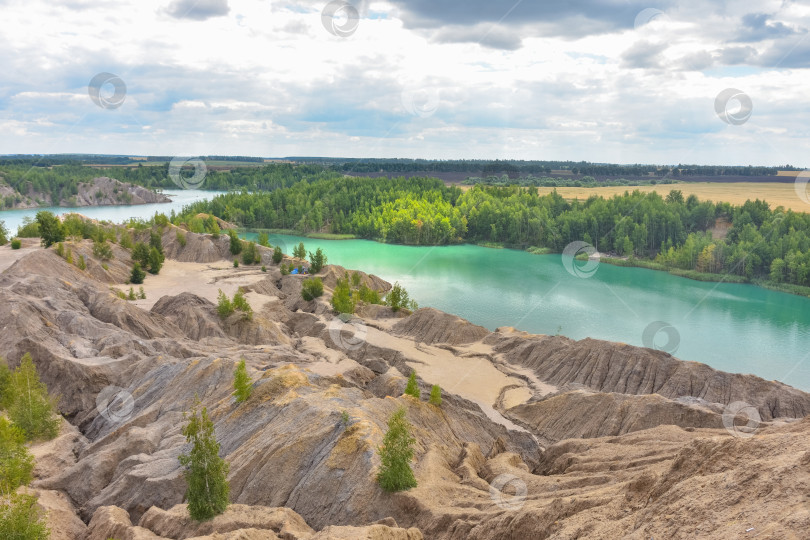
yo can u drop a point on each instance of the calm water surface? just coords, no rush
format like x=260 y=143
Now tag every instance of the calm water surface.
x=732 y=327
x=737 y=328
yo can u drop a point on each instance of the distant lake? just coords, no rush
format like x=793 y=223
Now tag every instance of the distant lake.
x=116 y=214
x=732 y=327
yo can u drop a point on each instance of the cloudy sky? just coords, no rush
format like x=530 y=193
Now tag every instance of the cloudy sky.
x=623 y=81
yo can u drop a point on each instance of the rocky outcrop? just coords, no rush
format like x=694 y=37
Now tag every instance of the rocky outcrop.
x=615 y=367
x=630 y=445
x=100 y=191
x=238 y=522
x=103 y=191
x=583 y=414
x=430 y=325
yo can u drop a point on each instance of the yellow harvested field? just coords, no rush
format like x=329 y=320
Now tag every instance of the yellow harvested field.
x=777 y=194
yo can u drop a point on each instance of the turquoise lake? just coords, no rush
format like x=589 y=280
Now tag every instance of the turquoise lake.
x=732 y=327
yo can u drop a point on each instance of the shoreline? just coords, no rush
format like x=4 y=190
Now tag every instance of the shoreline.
x=787 y=288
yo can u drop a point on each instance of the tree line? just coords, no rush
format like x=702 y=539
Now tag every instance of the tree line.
x=762 y=243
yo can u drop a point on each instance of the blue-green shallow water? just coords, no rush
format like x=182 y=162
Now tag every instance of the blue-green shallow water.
x=732 y=327
x=737 y=328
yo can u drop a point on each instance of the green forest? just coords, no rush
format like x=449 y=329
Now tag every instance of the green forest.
x=59 y=182
x=673 y=232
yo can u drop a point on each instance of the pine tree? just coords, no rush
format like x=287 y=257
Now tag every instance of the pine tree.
x=435 y=395
x=21 y=519
x=412 y=389
x=206 y=473
x=236 y=243
x=16 y=462
x=51 y=229
x=317 y=260
x=155 y=261
x=140 y=253
x=6 y=397
x=137 y=274
x=342 y=299
x=396 y=454
x=278 y=255
x=299 y=252
x=242 y=383
x=32 y=409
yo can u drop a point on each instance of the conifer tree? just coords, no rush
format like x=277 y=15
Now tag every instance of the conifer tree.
x=396 y=454
x=412 y=389
x=435 y=395
x=206 y=473
x=32 y=409
x=242 y=383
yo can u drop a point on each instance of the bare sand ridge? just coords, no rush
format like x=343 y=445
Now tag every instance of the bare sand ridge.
x=537 y=436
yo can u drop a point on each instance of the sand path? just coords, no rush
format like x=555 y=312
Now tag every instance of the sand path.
x=203 y=279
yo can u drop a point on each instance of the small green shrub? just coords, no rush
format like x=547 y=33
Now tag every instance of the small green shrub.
x=126 y=240
x=16 y=243
x=235 y=263
x=155 y=261
x=240 y=303
x=21 y=519
x=412 y=388
x=242 y=383
x=299 y=252
x=224 y=305
x=277 y=255
x=82 y=264
x=342 y=298
x=102 y=250
x=32 y=409
x=396 y=454
x=435 y=395
x=236 y=243
x=317 y=261
x=16 y=462
x=311 y=289
x=206 y=473
x=181 y=238
x=137 y=276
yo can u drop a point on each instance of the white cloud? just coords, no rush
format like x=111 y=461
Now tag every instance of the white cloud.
x=267 y=79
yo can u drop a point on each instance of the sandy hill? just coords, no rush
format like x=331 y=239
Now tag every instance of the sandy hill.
x=537 y=437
